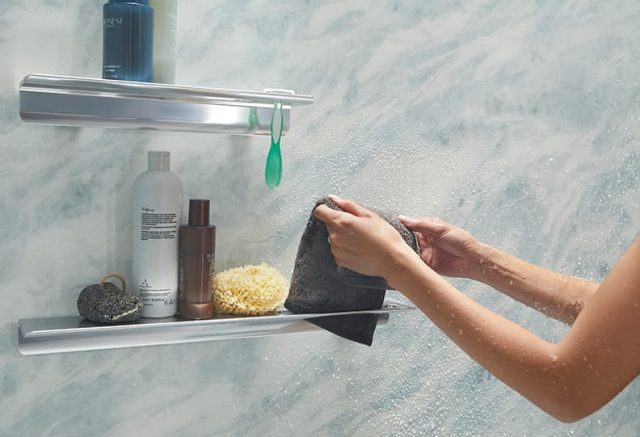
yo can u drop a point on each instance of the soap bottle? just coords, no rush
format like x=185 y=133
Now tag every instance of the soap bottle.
x=127 y=51
x=197 y=263
x=157 y=214
x=165 y=21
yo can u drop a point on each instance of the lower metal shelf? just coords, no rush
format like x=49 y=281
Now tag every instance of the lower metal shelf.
x=74 y=334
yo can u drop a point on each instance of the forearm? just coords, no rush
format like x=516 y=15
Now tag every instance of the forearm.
x=556 y=295
x=511 y=353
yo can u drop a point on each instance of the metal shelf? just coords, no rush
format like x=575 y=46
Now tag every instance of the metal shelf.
x=74 y=334
x=77 y=101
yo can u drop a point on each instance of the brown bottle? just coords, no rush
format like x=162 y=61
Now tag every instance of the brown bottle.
x=197 y=261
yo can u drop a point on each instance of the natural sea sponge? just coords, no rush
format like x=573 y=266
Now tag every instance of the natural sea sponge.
x=249 y=290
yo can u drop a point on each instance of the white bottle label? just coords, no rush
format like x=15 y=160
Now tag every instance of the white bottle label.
x=157 y=236
x=157 y=215
x=153 y=298
x=157 y=225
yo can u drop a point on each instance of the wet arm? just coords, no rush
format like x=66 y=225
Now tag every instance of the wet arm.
x=599 y=356
x=556 y=295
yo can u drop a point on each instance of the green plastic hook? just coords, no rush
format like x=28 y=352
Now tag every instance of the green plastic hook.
x=273 y=169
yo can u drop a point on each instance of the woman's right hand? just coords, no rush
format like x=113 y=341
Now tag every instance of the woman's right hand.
x=449 y=250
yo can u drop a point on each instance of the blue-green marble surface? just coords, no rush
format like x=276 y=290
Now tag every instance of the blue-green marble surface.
x=518 y=120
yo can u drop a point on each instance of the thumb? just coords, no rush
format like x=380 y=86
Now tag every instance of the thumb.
x=349 y=206
x=427 y=225
x=326 y=214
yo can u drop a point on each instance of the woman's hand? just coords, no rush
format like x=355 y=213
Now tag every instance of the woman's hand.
x=448 y=250
x=360 y=239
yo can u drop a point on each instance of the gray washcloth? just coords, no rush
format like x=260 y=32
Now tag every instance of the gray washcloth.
x=318 y=285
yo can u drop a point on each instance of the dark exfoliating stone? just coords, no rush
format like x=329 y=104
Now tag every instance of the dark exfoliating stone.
x=106 y=303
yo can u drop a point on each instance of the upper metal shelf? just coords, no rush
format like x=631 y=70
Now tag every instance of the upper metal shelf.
x=73 y=334
x=77 y=101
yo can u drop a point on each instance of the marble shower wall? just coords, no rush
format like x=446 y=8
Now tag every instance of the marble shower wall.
x=517 y=120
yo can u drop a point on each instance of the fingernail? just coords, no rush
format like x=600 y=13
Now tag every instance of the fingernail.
x=334 y=197
x=403 y=217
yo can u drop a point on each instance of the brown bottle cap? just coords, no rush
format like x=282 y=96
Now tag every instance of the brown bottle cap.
x=198 y=213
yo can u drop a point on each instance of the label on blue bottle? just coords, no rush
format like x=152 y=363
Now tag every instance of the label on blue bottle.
x=110 y=23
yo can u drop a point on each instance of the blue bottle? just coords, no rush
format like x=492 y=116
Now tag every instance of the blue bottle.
x=127 y=52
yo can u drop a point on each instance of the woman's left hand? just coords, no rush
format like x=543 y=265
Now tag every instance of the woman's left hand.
x=360 y=239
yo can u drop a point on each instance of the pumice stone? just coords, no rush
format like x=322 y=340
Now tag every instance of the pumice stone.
x=107 y=303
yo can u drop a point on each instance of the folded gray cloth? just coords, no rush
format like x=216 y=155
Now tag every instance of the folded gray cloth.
x=318 y=285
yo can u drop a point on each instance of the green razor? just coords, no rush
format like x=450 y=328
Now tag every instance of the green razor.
x=273 y=169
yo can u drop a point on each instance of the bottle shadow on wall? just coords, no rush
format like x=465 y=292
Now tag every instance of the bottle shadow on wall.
x=238 y=205
x=120 y=204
